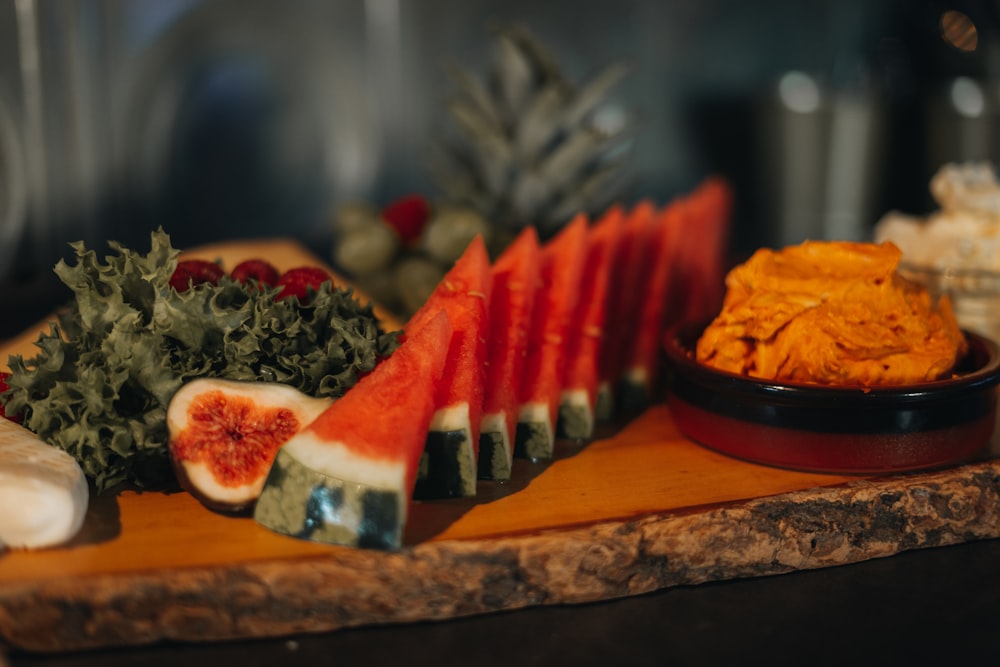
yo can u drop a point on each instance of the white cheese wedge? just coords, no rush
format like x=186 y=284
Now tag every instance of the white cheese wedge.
x=43 y=491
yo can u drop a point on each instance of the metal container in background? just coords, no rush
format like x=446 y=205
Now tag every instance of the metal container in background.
x=223 y=118
x=962 y=122
x=13 y=182
x=819 y=157
x=212 y=118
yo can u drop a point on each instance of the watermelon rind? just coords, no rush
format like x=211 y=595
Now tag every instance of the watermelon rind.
x=535 y=437
x=445 y=466
x=515 y=277
x=300 y=501
x=348 y=477
x=495 y=451
x=604 y=406
x=552 y=318
x=576 y=419
x=464 y=294
x=633 y=395
x=448 y=464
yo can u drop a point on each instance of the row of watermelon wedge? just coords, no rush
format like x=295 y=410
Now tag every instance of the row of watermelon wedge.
x=500 y=361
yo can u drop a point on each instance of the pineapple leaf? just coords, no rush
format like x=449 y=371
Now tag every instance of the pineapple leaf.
x=583 y=150
x=541 y=121
x=457 y=175
x=491 y=151
x=591 y=193
x=571 y=156
x=476 y=126
x=527 y=148
x=530 y=192
x=515 y=75
x=471 y=89
x=449 y=172
x=546 y=68
x=594 y=91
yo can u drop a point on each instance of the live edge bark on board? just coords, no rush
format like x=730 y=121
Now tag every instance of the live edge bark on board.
x=641 y=508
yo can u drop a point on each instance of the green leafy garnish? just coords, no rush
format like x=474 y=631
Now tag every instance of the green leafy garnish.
x=106 y=371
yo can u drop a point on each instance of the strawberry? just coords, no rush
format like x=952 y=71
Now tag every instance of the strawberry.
x=193 y=272
x=4 y=387
x=408 y=216
x=298 y=281
x=259 y=270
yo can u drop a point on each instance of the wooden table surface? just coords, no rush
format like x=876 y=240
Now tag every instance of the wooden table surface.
x=638 y=510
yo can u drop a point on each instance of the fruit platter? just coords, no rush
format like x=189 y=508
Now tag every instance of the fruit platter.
x=621 y=504
x=483 y=404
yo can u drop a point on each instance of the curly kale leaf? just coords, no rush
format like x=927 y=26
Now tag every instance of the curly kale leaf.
x=105 y=373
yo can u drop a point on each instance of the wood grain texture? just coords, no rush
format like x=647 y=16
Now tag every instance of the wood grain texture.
x=639 y=509
x=450 y=578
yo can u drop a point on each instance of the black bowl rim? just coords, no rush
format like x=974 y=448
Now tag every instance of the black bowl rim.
x=984 y=355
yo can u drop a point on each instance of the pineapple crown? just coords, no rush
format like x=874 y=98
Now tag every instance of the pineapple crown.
x=527 y=150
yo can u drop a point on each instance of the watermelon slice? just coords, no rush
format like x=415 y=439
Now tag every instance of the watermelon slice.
x=705 y=252
x=348 y=477
x=628 y=273
x=579 y=394
x=515 y=280
x=554 y=307
x=641 y=369
x=451 y=455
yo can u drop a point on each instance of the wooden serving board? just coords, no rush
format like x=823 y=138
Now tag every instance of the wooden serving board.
x=638 y=509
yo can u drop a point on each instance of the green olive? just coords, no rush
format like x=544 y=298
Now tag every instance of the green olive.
x=381 y=288
x=416 y=278
x=366 y=250
x=450 y=230
x=353 y=215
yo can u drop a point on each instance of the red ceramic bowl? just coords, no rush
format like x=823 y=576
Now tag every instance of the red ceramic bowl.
x=834 y=429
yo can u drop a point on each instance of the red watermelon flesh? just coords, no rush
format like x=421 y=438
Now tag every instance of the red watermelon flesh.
x=453 y=440
x=700 y=265
x=628 y=273
x=642 y=363
x=586 y=337
x=711 y=207
x=515 y=280
x=554 y=307
x=348 y=477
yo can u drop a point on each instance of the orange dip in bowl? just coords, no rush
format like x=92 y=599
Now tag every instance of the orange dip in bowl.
x=833 y=313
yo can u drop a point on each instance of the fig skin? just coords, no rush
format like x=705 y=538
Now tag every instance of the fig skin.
x=268 y=403
x=234 y=506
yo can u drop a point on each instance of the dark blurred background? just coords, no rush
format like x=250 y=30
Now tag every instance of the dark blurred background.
x=247 y=118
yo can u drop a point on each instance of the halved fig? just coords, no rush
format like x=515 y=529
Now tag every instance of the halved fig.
x=224 y=435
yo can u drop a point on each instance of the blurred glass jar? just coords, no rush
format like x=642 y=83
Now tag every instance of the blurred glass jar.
x=974 y=293
x=956 y=249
